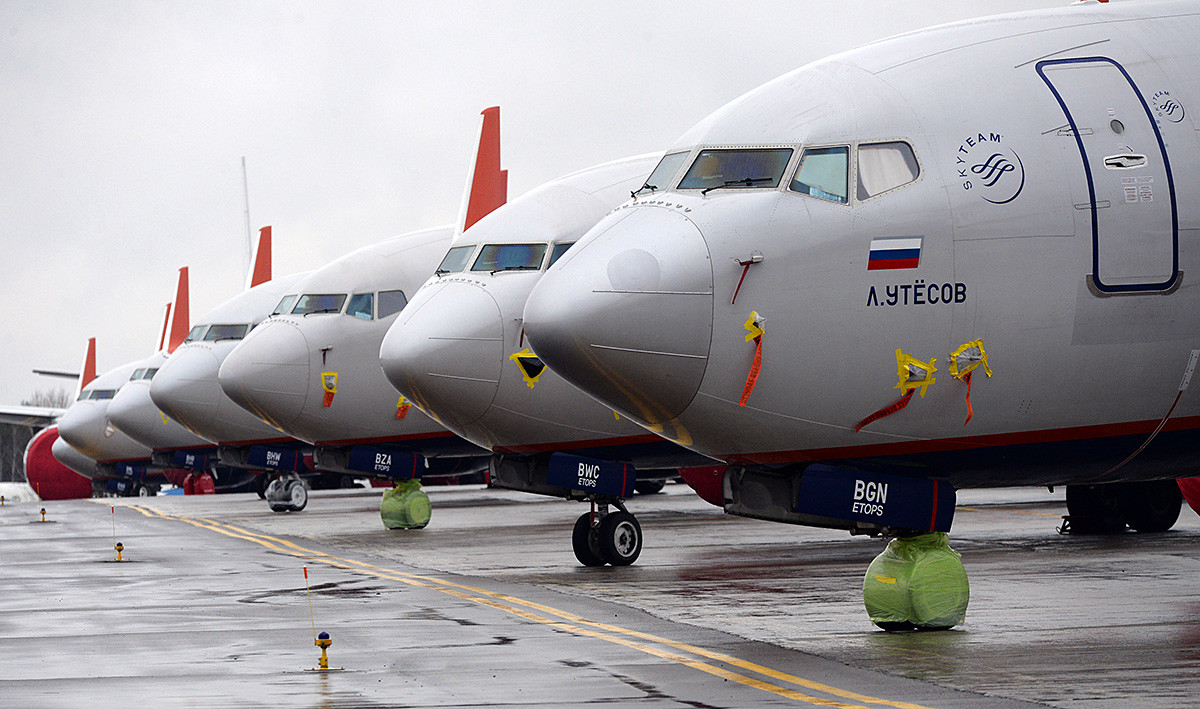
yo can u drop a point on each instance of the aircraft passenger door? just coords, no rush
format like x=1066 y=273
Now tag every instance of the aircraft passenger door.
x=1131 y=193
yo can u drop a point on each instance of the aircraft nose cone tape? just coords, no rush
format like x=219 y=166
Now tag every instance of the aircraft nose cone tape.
x=914 y=374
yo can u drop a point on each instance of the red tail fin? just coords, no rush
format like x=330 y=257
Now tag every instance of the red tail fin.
x=488 y=183
x=260 y=271
x=179 y=323
x=88 y=372
x=162 y=338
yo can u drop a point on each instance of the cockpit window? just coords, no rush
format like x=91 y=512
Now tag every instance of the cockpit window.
x=885 y=166
x=195 y=333
x=310 y=303
x=662 y=176
x=226 y=332
x=362 y=305
x=285 y=305
x=391 y=302
x=558 y=251
x=97 y=394
x=146 y=373
x=456 y=259
x=742 y=168
x=510 y=257
x=137 y=374
x=823 y=173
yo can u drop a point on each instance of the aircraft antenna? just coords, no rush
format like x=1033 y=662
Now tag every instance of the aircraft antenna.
x=249 y=234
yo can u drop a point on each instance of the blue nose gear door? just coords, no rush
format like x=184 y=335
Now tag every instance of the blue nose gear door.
x=1130 y=190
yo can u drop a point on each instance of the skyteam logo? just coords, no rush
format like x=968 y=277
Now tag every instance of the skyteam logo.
x=1167 y=108
x=986 y=166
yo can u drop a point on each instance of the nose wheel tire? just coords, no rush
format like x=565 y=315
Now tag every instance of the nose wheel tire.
x=297 y=493
x=287 y=495
x=620 y=538
x=585 y=541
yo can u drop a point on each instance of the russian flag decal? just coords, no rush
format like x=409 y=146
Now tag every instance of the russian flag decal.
x=893 y=252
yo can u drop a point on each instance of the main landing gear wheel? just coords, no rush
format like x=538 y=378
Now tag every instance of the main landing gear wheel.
x=649 y=487
x=585 y=541
x=1151 y=506
x=620 y=538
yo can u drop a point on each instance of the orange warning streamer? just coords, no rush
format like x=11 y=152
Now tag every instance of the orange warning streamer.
x=754 y=370
x=970 y=409
x=886 y=411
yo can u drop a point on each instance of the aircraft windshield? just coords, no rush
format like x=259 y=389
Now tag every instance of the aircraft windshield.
x=284 y=305
x=195 y=333
x=226 y=332
x=743 y=168
x=362 y=305
x=97 y=394
x=510 y=257
x=391 y=302
x=557 y=252
x=663 y=174
x=456 y=259
x=310 y=303
x=146 y=373
x=822 y=173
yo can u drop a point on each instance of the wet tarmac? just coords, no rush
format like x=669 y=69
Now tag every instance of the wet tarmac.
x=487 y=606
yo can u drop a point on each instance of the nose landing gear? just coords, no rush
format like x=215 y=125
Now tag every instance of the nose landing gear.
x=287 y=494
x=602 y=537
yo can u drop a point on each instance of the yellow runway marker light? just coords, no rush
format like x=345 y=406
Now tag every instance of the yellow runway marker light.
x=322 y=640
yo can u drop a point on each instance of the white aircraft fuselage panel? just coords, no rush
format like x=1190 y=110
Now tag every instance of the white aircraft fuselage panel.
x=1041 y=212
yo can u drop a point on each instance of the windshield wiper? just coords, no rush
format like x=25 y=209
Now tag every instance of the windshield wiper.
x=645 y=186
x=747 y=181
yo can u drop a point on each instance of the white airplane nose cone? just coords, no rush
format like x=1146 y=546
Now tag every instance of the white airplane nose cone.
x=445 y=351
x=268 y=373
x=628 y=318
x=81 y=427
x=186 y=387
x=132 y=411
x=73 y=459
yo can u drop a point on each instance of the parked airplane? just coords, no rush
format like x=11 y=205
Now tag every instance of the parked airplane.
x=186 y=390
x=991 y=215
x=123 y=465
x=458 y=353
x=174 y=443
x=312 y=371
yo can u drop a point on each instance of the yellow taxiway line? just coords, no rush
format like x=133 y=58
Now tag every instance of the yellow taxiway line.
x=664 y=648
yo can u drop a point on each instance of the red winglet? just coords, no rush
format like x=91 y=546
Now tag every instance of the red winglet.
x=260 y=270
x=179 y=323
x=88 y=371
x=489 y=184
x=162 y=339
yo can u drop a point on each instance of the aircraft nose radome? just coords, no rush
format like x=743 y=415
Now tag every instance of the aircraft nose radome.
x=81 y=427
x=132 y=411
x=445 y=351
x=186 y=387
x=268 y=373
x=628 y=318
x=73 y=459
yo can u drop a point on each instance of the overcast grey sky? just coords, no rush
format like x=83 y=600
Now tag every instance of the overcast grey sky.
x=123 y=125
